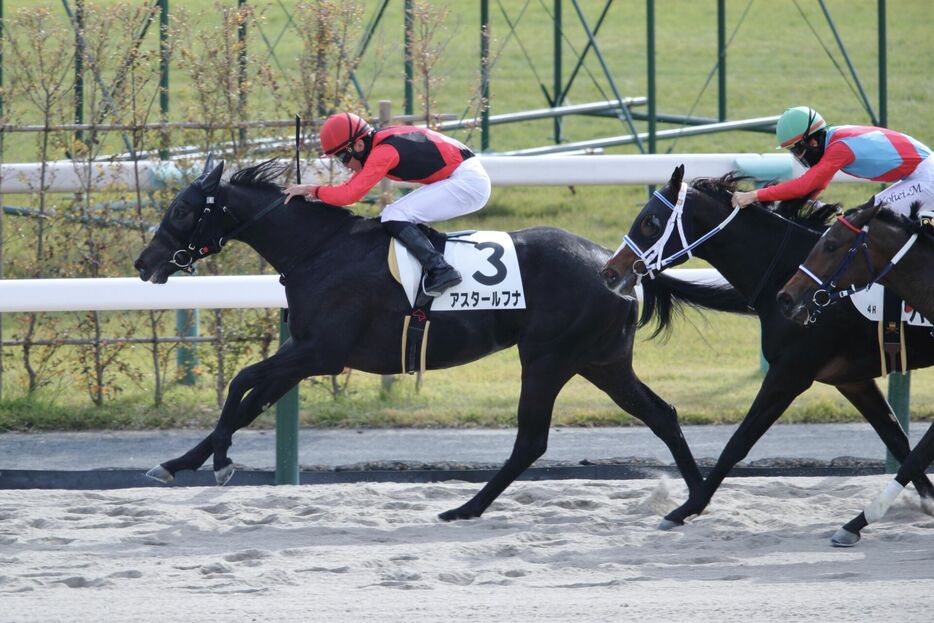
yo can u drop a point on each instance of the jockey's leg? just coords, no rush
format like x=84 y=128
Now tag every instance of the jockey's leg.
x=465 y=191
x=439 y=275
x=915 y=188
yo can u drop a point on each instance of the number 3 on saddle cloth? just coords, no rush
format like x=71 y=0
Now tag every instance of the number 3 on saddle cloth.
x=891 y=313
x=491 y=280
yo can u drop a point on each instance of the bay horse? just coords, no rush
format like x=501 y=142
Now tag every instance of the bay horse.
x=346 y=311
x=869 y=245
x=757 y=250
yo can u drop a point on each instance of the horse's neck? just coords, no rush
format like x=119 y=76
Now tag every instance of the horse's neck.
x=744 y=250
x=912 y=278
x=288 y=233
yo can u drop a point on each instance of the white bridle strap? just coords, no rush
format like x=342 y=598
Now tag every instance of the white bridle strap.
x=905 y=248
x=653 y=258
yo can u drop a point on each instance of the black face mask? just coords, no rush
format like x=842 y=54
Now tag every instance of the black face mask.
x=367 y=146
x=806 y=154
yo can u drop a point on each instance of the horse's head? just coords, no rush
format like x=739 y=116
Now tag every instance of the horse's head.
x=188 y=230
x=657 y=239
x=830 y=266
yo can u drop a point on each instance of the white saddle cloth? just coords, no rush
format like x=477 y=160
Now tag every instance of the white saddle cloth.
x=488 y=264
x=869 y=304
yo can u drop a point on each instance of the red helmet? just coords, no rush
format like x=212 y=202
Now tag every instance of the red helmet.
x=341 y=130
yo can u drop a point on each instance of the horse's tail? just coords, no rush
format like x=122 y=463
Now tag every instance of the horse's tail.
x=664 y=295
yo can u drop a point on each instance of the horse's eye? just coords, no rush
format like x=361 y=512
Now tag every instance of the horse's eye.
x=830 y=246
x=179 y=215
x=650 y=226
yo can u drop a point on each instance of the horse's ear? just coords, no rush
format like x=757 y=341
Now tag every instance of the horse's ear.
x=677 y=176
x=865 y=213
x=212 y=180
x=208 y=164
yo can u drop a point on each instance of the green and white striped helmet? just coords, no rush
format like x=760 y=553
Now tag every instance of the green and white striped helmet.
x=797 y=124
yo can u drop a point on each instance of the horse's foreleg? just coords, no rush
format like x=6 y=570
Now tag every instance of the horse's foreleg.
x=257 y=401
x=266 y=382
x=542 y=380
x=620 y=383
x=780 y=386
x=913 y=465
x=193 y=459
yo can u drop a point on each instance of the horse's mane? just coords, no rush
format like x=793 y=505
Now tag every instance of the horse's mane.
x=809 y=214
x=260 y=175
x=910 y=224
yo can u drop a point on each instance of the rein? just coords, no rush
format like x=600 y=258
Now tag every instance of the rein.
x=827 y=291
x=652 y=260
x=768 y=271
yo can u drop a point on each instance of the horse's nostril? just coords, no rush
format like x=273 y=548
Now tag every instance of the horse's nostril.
x=610 y=276
x=138 y=264
x=784 y=300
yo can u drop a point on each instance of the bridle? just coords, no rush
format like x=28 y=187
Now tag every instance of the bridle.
x=827 y=291
x=198 y=248
x=652 y=260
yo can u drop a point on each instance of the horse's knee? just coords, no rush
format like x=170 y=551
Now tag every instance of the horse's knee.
x=531 y=449
x=243 y=381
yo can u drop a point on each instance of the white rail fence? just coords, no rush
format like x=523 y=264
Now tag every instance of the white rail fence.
x=67 y=176
x=129 y=293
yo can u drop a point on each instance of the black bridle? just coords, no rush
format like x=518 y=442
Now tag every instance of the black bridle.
x=201 y=244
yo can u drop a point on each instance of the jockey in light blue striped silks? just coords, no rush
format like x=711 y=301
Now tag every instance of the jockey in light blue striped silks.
x=876 y=154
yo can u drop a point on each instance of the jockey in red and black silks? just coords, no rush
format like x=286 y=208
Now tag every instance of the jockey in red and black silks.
x=455 y=183
x=867 y=152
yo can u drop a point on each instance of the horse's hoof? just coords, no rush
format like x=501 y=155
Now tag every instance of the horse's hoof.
x=669 y=524
x=844 y=538
x=224 y=474
x=160 y=474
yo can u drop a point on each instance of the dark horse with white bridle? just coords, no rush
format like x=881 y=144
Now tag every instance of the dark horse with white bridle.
x=869 y=245
x=345 y=310
x=757 y=250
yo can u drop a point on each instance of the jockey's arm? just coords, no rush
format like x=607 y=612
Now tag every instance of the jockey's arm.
x=814 y=180
x=381 y=160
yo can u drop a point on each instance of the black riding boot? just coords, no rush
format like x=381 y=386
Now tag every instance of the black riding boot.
x=439 y=275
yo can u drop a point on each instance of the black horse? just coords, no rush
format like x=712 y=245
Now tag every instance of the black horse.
x=757 y=250
x=345 y=310
x=868 y=245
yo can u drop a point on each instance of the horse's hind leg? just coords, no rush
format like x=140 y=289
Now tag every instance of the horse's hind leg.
x=872 y=405
x=620 y=382
x=870 y=402
x=912 y=466
x=542 y=380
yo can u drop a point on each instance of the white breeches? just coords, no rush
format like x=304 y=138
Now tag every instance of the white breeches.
x=919 y=186
x=466 y=191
